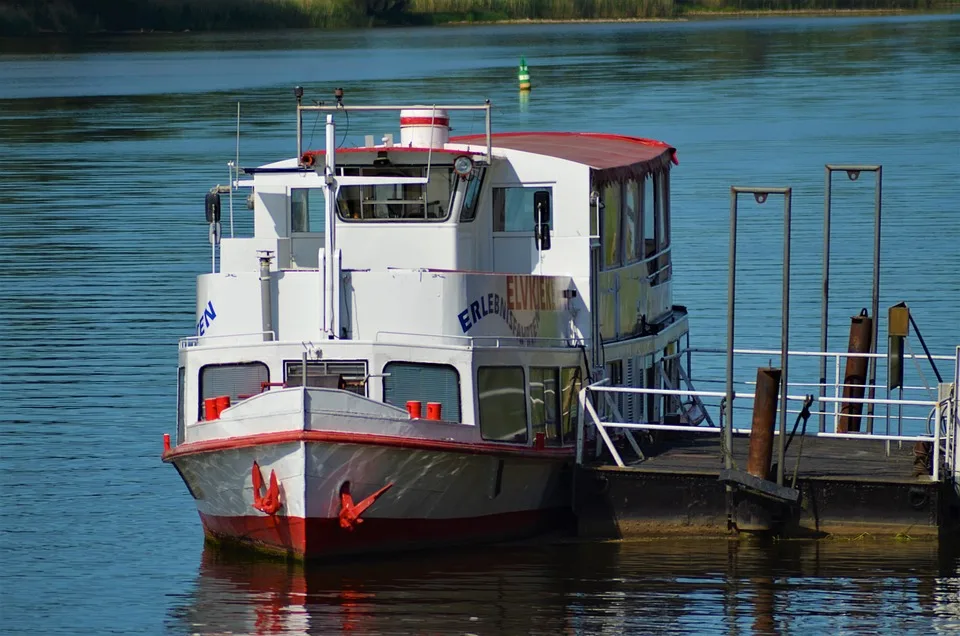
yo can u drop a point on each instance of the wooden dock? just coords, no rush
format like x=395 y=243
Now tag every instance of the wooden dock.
x=846 y=487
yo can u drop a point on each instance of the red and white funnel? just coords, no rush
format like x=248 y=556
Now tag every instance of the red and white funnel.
x=424 y=127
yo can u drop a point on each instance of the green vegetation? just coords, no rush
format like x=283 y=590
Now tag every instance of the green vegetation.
x=22 y=17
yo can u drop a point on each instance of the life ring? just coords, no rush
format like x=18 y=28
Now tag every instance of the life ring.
x=307 y=159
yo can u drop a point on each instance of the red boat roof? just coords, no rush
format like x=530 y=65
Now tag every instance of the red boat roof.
x=614 y=157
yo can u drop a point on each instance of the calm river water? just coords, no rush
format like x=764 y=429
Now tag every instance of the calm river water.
x=108 y=146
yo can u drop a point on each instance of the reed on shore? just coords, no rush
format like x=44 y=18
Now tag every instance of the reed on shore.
x=26 y=17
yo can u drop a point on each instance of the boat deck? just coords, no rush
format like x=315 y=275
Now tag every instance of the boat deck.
x=819 y=456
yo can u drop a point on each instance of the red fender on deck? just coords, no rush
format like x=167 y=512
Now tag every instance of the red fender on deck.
x=269 y=503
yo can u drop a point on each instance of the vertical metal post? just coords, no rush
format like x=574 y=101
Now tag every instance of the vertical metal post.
x=489 y=132
x=784 y=333
x=853 y=173
x=760 y=195
x=825 y=292
x=875 y=305
x=298 y=93
x=731 y=313
x=331 y=272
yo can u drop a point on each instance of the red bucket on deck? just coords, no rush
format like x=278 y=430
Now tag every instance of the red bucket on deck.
x=415 y=409
x=210 y=409
x=433 y=411
x=223 y=403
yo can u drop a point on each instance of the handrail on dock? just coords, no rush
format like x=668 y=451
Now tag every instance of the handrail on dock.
x=944 y=438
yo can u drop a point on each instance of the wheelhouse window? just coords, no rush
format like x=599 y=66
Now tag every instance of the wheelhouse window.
x=405 y=381
x=350 y=375
x=238 y=381
x=503 y=404
x=307 y=211
x=513 y=209
x=545 y=403
x=610 y=220
x=471 y=195
x=398 y=201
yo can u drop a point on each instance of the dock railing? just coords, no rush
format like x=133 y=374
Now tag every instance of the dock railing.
x=932 y=413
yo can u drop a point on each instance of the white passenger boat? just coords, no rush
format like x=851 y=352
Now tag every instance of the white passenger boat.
x=393 y=359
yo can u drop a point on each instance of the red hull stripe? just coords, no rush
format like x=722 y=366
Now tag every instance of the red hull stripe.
x=314 y=537
x=338 y=437
x=424 y=121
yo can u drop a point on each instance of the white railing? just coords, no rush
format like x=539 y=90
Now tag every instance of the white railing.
x=909 y=395
x=943 y=434
x=254 y=336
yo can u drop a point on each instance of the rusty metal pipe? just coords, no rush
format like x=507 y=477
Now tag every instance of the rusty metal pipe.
x=764 y=421
x=855 y=376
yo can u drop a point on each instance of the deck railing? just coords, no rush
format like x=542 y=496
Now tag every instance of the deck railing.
x=942 y=430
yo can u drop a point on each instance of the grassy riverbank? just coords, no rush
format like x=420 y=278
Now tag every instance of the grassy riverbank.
x=26 y=17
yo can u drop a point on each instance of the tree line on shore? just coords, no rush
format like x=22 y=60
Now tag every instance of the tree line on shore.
x=26 y=17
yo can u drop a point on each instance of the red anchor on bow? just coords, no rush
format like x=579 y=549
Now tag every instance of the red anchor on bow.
x=269 y=503
x=350 y=512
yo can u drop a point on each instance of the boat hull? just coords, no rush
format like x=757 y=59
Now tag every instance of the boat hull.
x=434 y=496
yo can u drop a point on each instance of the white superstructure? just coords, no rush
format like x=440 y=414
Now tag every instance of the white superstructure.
x=449 y=297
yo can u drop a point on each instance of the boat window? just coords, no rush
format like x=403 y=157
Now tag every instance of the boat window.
x=503 y=404
x=615 y=374
x=352 y=372
x=471 y=196
x=544 y=403
x=307 y=210
x=663 y=210
x=611 y=226
x=513 y=209
x=649 y=218
x=652 y=382
x=399 y=201
x=181 y=406
x=631 y=221
x=570 y=382
x=404 y=381
x=238 y=381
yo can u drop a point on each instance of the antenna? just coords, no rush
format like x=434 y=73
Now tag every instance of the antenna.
x=236 y=170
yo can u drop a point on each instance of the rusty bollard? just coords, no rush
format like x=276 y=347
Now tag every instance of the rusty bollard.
x=855 y=376
x=764 y=421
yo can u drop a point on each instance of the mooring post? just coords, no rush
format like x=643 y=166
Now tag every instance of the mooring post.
x=764 y=421
x=861 y=331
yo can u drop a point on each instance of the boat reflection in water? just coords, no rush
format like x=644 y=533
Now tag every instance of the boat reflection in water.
x=677 y=586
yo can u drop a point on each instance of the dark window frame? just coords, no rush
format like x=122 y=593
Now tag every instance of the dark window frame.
x=221 y=365
x=376 y=171
x=317 y=363
x=526 y=414
x=424 y=364
x=468 y=214
x=532 y=230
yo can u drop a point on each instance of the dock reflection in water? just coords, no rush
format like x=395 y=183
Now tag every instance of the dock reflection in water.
x=675 y=586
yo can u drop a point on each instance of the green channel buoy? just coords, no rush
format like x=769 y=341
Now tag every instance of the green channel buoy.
x=523 y=76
